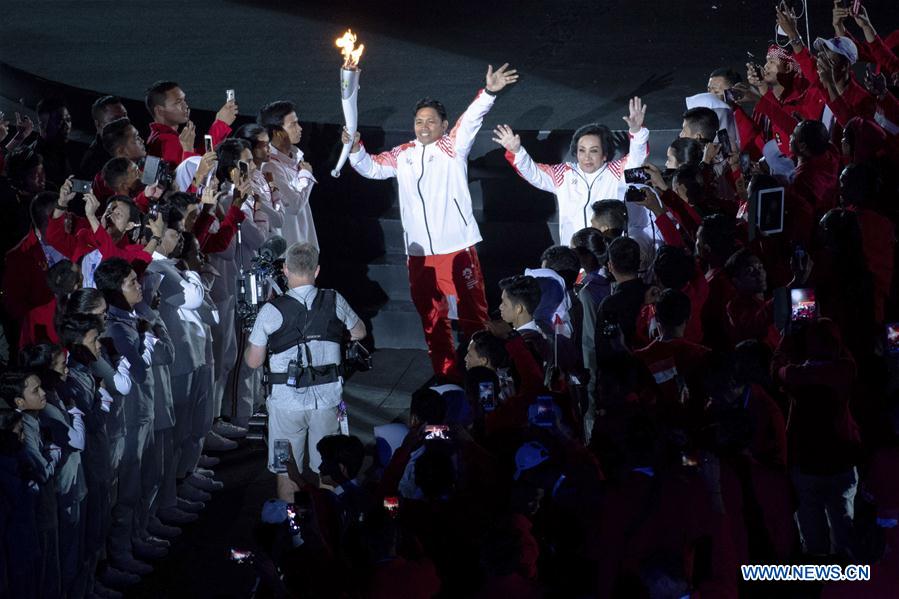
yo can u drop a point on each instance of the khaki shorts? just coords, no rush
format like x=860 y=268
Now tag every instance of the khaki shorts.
x=297 y=426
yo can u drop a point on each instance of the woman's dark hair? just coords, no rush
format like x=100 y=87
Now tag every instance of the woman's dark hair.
x=228 y=153
x=686 y=150
x=74 y=327
x=134 y=213
x=250 y=133
x=83 y=301
x=719 y=232
x=690 y=176
x=591 y=248
x=601 y=131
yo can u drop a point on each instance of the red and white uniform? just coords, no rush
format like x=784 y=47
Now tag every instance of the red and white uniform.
x=576 y=190
x=435 y=205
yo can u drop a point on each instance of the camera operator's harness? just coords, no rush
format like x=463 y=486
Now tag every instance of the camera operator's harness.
x=301 y=325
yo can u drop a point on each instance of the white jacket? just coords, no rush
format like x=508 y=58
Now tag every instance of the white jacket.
x=294 y=186
x=576 y=190
x=435 y=205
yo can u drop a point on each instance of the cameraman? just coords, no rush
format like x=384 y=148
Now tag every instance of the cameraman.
x=303 y=330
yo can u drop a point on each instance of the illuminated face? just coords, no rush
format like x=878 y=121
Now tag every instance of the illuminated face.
x=670 y=159
x=773 y=67
x=590 y=156
x=172 y=242
x=247 y=156
x=58 y=365
x=507 y=309
x=134 y=148
x=291 y=126
x=429 y=127
x=35 y=179
x=718 y=85
x=118 y=214
x=132 y=290
x=92 y=342
x=175 y=110
x=33 y=397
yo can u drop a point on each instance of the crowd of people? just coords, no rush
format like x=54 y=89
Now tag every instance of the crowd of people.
x=703 y=375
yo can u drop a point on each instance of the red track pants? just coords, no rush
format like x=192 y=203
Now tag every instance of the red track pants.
x=431 y=280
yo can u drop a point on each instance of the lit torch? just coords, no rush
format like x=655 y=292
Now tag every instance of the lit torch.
x=349 y=88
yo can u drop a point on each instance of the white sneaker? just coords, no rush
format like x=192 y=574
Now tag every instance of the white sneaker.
x=228 y=430
x=216 y=442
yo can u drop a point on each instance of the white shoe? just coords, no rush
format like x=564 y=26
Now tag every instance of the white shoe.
x=228 y=430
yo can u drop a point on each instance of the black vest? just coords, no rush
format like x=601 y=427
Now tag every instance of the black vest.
x=318 y=323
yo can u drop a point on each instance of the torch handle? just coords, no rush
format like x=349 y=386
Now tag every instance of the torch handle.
x=349 y=92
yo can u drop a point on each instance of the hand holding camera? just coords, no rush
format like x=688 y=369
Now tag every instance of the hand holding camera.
x=65 y=192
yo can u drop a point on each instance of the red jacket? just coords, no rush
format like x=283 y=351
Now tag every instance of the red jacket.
x=775 y=118
x=749 y=317
x=39 y=326
x=84 y=241
x=165 y=143
x=25 y=277
x=854 y=101
x=673 y=363
x=219 y=241
x=817 y=182
x=878 y=244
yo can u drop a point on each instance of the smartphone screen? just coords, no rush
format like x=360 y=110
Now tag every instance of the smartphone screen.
x=81 y=186
x=239 y=555
x=803 y=305
x=636 y=176
x=770 y=210
x=229 y=95
x=244 y=169
x=724 y=142
x=280 y=455
x=545 y=411
x=893 y=338
x=487 y=396
x=392 y=505
x=151 y=170
x=207 y=141
x=436 y=431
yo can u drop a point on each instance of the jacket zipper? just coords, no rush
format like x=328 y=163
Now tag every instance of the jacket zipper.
x=422 y=197
x=589 y=193
x=460 y=212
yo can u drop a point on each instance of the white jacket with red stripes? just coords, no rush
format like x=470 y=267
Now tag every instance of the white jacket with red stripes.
x=435 y=205
x=576 y=190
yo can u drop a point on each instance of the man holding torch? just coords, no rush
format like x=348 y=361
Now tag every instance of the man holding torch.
x=438 y=223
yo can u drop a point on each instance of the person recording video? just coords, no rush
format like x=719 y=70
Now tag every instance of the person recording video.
x=302 y=330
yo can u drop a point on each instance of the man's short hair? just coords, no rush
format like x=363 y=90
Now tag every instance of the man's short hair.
x=431 y=103
x=591 y=247
x=21 y=161
x=624 y=255
x=564 y=261
x=738 y=262
x=601 y=131
x=272 y=115
x=50 y=105
x=155 y=94
x=301 y=258
x=814 y=135
x=687 y=150
x=343 y=449
x=612 y=211
x=491 y=347
x=115 y=170
x=690 y=176
x=115 y=134
x=673 y=267
x=428 y=406
x=704 y=121
x=719 y=232
x=728 y=74
x=673 y=308
x=12 y=385
x=250 y=133
x=74 y=327
x=41 y=207
x=100 y=104
x=62 y=278
x=111 y=274
x=522 y=290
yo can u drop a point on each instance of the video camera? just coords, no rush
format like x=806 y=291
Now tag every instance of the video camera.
x=265 y=267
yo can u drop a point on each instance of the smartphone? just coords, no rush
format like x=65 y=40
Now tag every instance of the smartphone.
x=81 y=186
x=281 y=455
x=724 y=143
x=803 y=305
x=770 y=210
x=856 y=5
x=545 y=411
x=636 y=176
x=229 y=95
x=207 y=142
x=732 y=96
x=151 y=170
x=392 y=505
x=239 y=555
x=436 y=431
x=293 y=522
x=244 y=169
x=153 y=211
x=893 y=338
x=487 y=396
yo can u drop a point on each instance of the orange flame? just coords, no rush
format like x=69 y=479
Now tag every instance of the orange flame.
x=351 y=54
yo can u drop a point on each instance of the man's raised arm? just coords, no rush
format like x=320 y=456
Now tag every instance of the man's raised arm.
x=542 y=176
x=379 y=166
x=468 y=125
